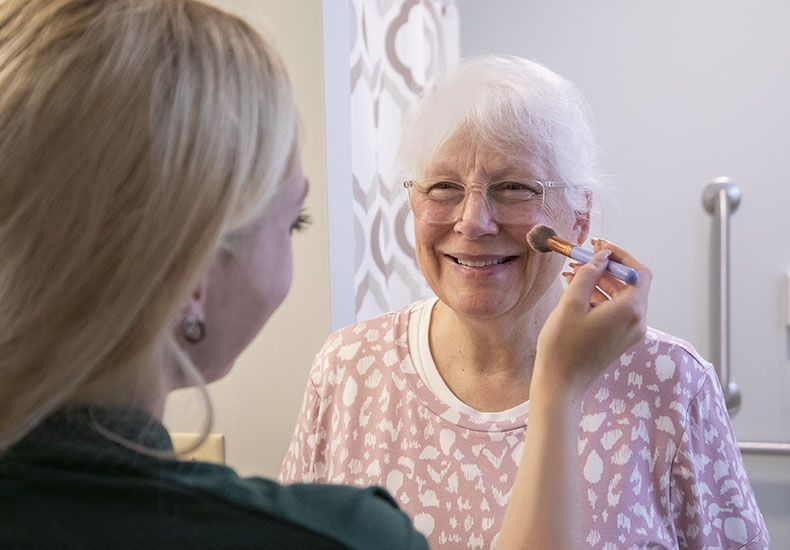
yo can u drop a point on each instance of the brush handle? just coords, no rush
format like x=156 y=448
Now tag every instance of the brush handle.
x=617 y=269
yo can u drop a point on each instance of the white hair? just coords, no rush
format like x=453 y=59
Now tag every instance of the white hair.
x=513 y=105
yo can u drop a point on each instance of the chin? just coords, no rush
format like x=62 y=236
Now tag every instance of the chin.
x=480 y=307
x=218 y=373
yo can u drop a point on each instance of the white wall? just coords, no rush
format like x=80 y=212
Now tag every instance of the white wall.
x=257 y=403
x=682 y=92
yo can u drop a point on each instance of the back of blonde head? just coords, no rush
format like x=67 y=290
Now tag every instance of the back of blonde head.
x=135 y=137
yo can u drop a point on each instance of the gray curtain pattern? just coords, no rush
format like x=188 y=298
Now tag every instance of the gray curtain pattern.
x=399 y=48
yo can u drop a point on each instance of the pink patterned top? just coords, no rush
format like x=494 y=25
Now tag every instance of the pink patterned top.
x=659 y=459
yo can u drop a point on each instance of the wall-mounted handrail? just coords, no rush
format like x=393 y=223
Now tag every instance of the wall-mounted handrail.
x=764 y=448
x=721 y=198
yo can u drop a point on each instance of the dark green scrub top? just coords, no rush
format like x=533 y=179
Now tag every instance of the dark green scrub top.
x=66 y=485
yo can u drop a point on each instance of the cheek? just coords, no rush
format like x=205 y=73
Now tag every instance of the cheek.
x=560 y=217
x=541 y=268
x=274 y=275
x=425 y=238
x=551 y=265
x=284 y=278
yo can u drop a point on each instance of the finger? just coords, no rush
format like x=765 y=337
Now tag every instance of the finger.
x=611 y=285
x=629 y=306
x=582 y=284
x=599 y=295
x=642 y=286
x=629 y=314
x=618 y=254
x=630 y=302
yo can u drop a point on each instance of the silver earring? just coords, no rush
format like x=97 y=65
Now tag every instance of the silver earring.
x=193 y=329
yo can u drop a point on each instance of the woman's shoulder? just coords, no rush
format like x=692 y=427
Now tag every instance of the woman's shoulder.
x=251 y=512
x=360 y=517
x=376 y=336
x=353 y=354
x=661 y=369
x=666 y=360
x=658 y=341
x=297 y=515
x=350 y=516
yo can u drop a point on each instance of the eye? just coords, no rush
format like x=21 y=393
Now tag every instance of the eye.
x=301 y=222
x=516 y=190
x=429 y=186
x=442 y=190
x=519 y=186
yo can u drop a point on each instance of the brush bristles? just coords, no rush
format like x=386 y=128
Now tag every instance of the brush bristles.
x=539 y=236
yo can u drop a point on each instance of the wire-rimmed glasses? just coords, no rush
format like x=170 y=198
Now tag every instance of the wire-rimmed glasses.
x=442 y=200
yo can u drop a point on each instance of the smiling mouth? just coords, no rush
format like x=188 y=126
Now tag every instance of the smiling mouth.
x=482 y=263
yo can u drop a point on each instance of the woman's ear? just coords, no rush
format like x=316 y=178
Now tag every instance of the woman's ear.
x=581 y=225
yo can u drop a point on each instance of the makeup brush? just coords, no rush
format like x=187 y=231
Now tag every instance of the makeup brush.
x=544 y=239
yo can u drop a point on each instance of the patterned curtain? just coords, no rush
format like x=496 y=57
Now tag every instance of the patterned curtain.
x=399 y=48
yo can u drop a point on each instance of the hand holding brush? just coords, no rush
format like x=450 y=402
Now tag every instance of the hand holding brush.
x=544 y=239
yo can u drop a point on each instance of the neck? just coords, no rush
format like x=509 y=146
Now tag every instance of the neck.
x=487 y=363
x=143 y=388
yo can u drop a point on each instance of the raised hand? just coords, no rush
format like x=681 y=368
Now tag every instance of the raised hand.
x=596 y=320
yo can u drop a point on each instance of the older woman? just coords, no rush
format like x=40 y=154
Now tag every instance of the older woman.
x=432 y=401
x=149 y=186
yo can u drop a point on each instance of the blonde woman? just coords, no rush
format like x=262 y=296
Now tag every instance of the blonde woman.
x=149 y=173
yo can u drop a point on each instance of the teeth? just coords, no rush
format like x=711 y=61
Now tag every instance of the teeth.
x=480 y=264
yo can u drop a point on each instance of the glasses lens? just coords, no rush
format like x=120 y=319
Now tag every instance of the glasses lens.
x=440 y=202
x=437 y=201
x=515 y=202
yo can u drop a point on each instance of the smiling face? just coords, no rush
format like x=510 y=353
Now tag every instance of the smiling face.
x=481 y=268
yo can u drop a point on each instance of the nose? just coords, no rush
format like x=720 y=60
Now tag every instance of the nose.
x=476 y=219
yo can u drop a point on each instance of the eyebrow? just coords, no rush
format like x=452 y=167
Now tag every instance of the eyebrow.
x=499 y=171
x=511 y=173
x=497 y=175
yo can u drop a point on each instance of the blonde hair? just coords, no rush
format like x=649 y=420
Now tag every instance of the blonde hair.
x=512 y=104
x=135 y=137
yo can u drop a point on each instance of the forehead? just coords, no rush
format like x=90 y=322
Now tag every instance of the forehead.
x=465 y=155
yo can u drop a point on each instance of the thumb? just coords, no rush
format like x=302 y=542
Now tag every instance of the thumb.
x=580 y=289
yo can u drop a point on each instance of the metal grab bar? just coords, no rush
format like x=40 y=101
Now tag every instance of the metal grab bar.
x=764 y=448
x=721 y=198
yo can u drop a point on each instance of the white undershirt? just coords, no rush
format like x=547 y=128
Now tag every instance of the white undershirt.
x=420 y=351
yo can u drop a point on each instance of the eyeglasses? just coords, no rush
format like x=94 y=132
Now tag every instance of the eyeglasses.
x=442 y=201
